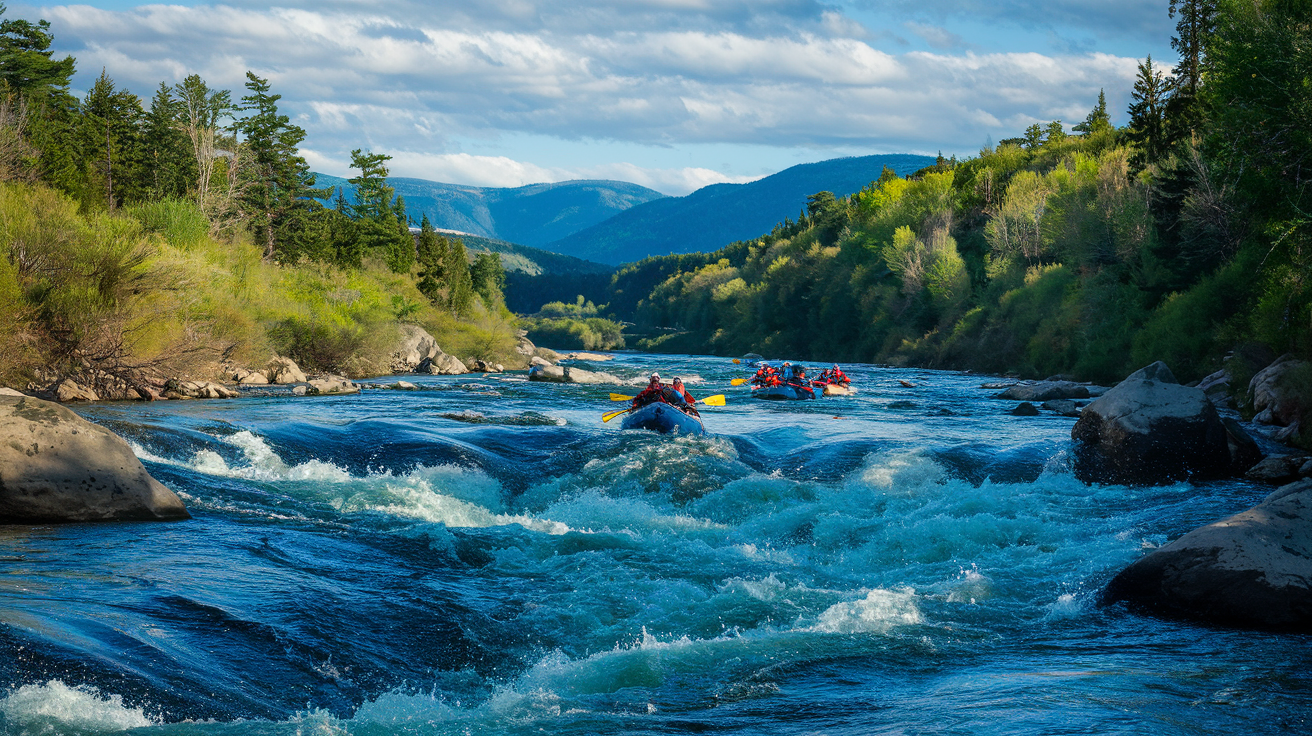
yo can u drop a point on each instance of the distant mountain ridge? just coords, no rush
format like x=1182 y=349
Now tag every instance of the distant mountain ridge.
x=719 y=214
x=532 y=215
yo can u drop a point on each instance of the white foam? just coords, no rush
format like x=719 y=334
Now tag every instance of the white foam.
x=878 y=612
x=54 y=706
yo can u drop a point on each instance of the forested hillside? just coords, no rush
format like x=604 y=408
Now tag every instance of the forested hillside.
x=149 y=239
x=714 y=215
x=1183 y=236
x=532 y=215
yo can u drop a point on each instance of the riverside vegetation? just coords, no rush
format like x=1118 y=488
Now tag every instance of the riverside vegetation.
x=148 y=240
x=1181 y=237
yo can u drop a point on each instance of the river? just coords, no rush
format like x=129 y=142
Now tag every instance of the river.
x=485 y=556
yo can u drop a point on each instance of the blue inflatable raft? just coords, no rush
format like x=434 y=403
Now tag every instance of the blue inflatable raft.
x=663 y=418
x=786 y=392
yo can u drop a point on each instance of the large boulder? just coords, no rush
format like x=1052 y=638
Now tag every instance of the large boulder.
x=284 y=371
x=1150 y=430
x=1277 y=469
x=68 y=390
x=525 y=346
x=1282 y=392
x=1045 y=391
x=442 y=365
x=248 y=377
x=1252 y=570
x=414 y=347
x=55 y=466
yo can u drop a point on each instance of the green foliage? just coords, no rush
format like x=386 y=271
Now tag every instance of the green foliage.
x=182 y=223
x=568 y=333
x=26 y=63
x=488 y=277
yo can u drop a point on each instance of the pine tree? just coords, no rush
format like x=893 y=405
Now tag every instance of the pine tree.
x=26 y=66
x=275 y=173
x=1097 y=121
x=432 y=255
x=373 y=198
x=109 y=141
x=1147 y=127
x=488 y=277
x=460 y=288
x=170 y=163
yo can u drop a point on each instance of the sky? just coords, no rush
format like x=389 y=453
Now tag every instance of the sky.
x=669 y=94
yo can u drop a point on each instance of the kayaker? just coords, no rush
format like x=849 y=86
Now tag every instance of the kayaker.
x=653 y=393
x=689 y=401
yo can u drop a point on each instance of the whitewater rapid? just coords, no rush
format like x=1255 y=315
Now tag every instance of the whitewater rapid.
x=488 y=557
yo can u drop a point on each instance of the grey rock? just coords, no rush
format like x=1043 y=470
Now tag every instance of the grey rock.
x=300 y=391
x=1277 y=469
x=565 y=374
x=1244 y=451
x=414 y=347
x=250 y=378
x=1064 y=407
x=547 y=353
x=1045 y=391
x=331 y=386
x=198 y=390
x=6 y=391
x=1251 y=570
x=536 y=360
x=68 y=390
x=1149 y=429
x=1306 y=469
x=595 y=357
x=442 y=365
x=1025 y=409
x=403 y=386
x=525 y=347
x=284 y=371
x=1279 y=393
x=58 y=467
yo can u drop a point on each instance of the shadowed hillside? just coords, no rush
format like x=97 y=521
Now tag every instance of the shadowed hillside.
x=723 y=213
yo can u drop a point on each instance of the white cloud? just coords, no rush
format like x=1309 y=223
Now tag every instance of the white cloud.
x=414 y=82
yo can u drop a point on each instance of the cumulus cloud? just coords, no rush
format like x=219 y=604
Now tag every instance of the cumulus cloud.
x=416 y=79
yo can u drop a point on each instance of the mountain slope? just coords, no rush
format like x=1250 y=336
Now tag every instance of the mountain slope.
x=532 y=215
x=716 y=215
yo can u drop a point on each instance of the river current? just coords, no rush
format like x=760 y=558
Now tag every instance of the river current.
x=485 y=556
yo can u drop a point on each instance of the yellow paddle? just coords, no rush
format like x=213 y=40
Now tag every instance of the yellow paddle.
x=716 y=400
x=612 y=415
x=737 y=361
x=738 y=381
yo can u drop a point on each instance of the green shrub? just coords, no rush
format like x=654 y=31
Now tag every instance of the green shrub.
x=182 y=223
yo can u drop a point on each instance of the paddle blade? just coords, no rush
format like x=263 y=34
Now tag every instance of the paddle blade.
x=716 y=400
x=737 y=361
x=612 y=415
x=738 y=381
x=620 y=397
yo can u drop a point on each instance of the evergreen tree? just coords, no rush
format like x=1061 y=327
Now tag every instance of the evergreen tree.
x=459 y=286
x=432 y=256
x=26 y=65
x=488 y=277
x=1055 y=133
x=275 y=173
x=1033 y=136
x=1194 y=29
x=1147 y=127
x=110 y=145
x=169 y=159
x=1097 y=121
x=373 y=198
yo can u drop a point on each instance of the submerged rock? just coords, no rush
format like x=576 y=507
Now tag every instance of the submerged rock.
x=57 y=467
x=331 y=386
x=1025 y=409
x=566 y=374
x=1045 y=391
x=1150 y=430
x=1064 y=407
x=198 y=390
x=1252 y=570
x=1277 y=469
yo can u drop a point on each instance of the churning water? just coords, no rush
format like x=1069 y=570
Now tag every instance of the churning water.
x=485 y=556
